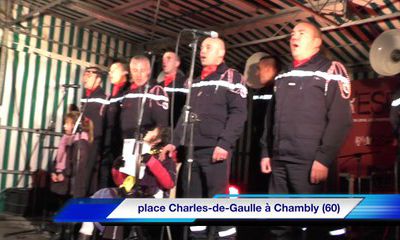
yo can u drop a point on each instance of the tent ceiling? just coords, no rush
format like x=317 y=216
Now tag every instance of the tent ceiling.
x=349 y=26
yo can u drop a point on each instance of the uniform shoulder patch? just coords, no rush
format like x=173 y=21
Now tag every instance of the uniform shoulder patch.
x=345 y=85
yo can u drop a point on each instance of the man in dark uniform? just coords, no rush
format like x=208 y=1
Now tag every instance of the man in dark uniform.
x=395 y=114
x=113 y=142
x=173 y=82
x=218 y=100
x=310 y=117
x=94 y=107
x=395 y=121
x=267 y=68
x=155 y=112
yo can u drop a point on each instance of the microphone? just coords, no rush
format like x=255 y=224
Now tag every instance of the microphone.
x=212 y=34
x=71 y=85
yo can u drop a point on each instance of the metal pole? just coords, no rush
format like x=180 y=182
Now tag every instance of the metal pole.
x=5 y=6
x=189 y=122
x=324 y=29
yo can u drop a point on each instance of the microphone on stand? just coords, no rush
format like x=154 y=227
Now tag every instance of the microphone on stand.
x=71 y=86
x=150 y=53
x=212 y=34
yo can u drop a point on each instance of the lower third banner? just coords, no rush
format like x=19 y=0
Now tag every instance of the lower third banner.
x=233 y=207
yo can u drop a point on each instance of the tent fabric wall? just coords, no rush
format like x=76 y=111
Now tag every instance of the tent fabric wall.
x=33 y=87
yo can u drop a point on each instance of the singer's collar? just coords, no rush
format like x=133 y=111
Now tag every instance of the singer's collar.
x=208 y=70
x=117 y=87
x=89 y=92
x=298 y=63
x=134 y=86
x=169 y=78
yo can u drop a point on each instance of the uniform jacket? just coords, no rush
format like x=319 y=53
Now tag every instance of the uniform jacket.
x=260 y=98
x=179 y=91
x=155 y=111
x=395 y=114
x=309 y=118
x=95 y=110
x=113 y=141
x=219 y=101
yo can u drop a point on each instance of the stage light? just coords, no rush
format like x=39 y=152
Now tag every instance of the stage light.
x=337 y=232
x=233 y=189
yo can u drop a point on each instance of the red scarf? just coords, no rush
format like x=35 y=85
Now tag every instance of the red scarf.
x=207 y=70
x=168 y=79
x=117 y=87
x=133 y=86
x=298 y=63
x=90 y=91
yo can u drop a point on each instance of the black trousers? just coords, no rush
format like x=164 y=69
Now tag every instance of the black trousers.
x=92 y=168
x=293 y=178
x=207 y=179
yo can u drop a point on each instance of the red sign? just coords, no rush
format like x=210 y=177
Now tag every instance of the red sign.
x=370 y=141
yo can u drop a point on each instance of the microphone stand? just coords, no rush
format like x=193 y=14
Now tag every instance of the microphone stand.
x=78 y=128
x=189 y=119
x=396 y=169
x=138 y=136
x=396 y=183
x=91 y=165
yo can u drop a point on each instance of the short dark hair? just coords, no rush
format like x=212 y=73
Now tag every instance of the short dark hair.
x=316 y=29
x=277 y=62
x=177 y=56
x=96 y=70
x=73 y=107
x=93 y=69
x=121 y=64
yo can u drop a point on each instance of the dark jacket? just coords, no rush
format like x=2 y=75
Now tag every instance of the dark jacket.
x=260 y=99
x=177 y=90
x=113 y=141
x=155 y=111
x=74 y=177
x=309 y=117
x=395 y=114
x=219 y=101
x=95 y=110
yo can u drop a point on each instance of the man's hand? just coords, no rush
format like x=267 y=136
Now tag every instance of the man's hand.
x=219 y=154
x=395 y=142
x=168 y=149
x=152 y=137
x=319 y=172
x=61 y=177
x=265 y=165
x=54 y=177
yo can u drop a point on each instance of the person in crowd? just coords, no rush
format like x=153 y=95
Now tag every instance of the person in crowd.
x=267 y=69
x=395 y=121
x=173 y=82
x=152 y=101
x=158 y=179
x=218 y=105
x=67 y=175
x=94 y=107
x=306 y=123
x=113 y=142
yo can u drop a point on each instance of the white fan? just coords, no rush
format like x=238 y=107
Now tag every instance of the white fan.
x=384 y=54
x=250 y=70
